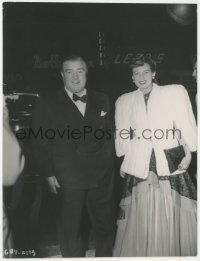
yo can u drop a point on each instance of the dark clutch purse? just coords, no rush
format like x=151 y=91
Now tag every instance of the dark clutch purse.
x=174 y=157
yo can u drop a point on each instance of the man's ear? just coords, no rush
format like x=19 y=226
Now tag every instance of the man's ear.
x=62 y=74
x=153 y=75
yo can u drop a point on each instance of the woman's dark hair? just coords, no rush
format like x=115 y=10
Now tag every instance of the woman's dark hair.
x=140 y=61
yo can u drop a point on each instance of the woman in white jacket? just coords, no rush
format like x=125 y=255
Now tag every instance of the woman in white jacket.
x=155 y=133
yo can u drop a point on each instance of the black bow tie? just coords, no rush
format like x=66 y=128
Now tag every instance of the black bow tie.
x=82 y=98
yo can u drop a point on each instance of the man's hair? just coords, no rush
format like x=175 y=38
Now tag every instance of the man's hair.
x=73 y=57
x=142 y=60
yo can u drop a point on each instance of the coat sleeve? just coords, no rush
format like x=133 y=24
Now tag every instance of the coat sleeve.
x=42 y=146
x=184 y=118
x=122 y=127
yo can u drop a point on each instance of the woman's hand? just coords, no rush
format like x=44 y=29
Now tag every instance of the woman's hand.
x=185 y=163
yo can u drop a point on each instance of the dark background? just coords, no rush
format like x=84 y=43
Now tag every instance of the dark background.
x=37 y=35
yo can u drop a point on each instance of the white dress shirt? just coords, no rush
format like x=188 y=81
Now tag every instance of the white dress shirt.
x=79 y=104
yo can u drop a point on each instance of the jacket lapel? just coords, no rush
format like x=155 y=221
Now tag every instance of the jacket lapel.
x=69 y=111
x=93 y=108
x=68 y=108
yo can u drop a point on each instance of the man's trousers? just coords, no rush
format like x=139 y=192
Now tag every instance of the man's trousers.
x=99 y=202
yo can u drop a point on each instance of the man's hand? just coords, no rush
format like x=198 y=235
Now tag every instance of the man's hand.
x=53 y=184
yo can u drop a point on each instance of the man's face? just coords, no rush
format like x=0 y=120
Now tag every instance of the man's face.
x=74 y=74
x=194 y=74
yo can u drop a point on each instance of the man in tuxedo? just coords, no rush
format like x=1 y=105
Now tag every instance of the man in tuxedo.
x=75 y=153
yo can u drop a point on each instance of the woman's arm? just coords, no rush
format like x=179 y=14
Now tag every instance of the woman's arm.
x=185 y=163
x=184 y=119
x=122 y=127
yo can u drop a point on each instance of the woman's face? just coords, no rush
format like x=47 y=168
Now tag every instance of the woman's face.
x=142 y=77
x=194 y=74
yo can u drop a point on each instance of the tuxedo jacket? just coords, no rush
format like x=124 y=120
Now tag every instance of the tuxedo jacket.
x=77 y=149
